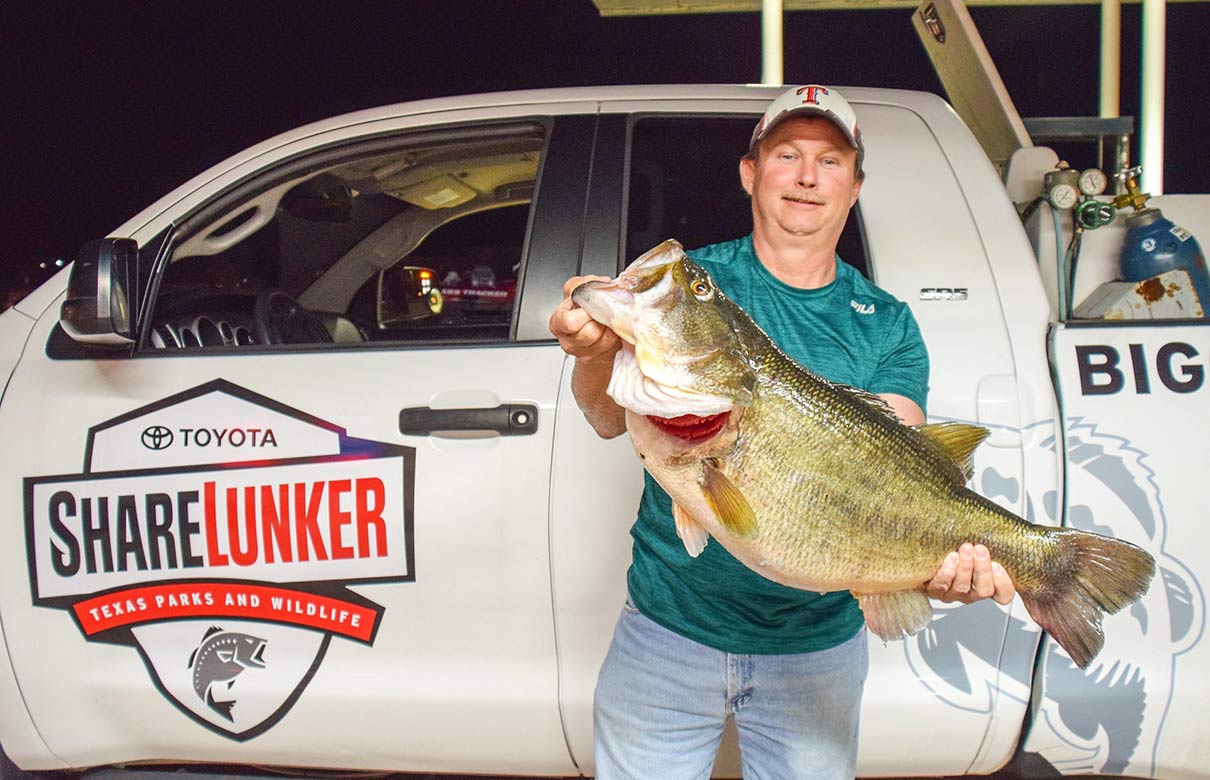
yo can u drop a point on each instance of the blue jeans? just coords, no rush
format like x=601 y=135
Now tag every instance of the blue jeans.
x=662 y=701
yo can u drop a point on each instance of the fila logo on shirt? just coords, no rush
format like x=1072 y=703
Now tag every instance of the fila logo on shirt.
x=862 y=308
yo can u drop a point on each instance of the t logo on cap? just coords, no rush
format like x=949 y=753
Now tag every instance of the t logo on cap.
x=812 y=91
x=811 y=99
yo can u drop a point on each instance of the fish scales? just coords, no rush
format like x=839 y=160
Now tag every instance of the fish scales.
x=846 y=518
x=819 y=486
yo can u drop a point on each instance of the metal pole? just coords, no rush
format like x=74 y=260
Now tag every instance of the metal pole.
x=1111 y=57
x=1111 y=86
x=771 y=42
x=1151 y=136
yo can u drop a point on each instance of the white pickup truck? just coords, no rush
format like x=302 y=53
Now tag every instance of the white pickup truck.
x=293 y=477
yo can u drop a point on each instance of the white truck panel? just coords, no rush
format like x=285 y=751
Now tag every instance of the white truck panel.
x=483 y=554
x=1135 y=445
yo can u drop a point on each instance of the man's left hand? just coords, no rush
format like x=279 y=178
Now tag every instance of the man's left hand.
x=970 y=575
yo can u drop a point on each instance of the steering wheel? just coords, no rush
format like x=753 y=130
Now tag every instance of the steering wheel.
x=279 y=319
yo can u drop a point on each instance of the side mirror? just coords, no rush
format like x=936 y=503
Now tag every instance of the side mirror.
x=98 y=306
x=407 y=293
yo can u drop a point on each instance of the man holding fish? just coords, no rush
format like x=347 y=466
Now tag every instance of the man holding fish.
x=702 y=636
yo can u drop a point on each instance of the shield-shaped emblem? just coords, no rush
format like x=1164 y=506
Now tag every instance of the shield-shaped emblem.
x=202 y=546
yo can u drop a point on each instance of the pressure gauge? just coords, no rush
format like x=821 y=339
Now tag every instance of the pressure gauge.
x=1093 y=182
x=1059 y=187
x=1062 y=195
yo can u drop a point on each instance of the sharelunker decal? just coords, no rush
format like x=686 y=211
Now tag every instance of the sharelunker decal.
x=216 y=532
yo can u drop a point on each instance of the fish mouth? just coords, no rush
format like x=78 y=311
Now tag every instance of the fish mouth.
x=690 y=427
x=609 y=303
x=257 y=659
x=614 y=303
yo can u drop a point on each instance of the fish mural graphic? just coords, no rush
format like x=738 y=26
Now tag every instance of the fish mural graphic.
x=219 y=659
x=1108 y=718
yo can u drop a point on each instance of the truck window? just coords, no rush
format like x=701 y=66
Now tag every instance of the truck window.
x=684 y=184
x=422 y=243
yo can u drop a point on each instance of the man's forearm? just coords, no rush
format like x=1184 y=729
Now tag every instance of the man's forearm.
x=589 y=378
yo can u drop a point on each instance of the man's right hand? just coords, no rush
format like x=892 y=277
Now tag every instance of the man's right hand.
x=593 y=346
x=579 y=335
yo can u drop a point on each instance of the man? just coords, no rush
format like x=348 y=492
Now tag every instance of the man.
x=703 y=639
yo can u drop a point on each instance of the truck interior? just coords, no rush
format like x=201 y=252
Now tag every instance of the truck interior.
x=420 y=242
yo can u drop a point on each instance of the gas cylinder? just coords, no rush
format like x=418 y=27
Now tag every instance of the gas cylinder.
x=1153 y=245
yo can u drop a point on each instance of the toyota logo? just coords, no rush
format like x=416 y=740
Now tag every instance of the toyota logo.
x=157 y=437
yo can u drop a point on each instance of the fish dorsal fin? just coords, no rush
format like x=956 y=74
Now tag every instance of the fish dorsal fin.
x=209 y=633
x=876 y=401
x=958 y=441
x=730 y=507
x=689 y=530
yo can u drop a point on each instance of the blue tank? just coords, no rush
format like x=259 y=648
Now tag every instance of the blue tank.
x=1153 y=245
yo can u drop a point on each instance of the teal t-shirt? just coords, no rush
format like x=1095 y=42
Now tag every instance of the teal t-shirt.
x=849 y=332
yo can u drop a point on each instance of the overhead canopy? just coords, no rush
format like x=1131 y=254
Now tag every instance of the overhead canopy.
x=662 y=7
x=1151 y=109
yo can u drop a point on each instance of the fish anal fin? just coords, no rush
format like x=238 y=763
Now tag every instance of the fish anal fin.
x=958 y=441
x=690 y=531
x=730 y=507
x=897 y=614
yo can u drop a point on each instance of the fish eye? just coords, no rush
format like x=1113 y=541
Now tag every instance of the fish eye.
x=702 y=290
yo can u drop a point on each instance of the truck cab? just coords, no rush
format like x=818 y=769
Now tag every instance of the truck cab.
x=296 y=479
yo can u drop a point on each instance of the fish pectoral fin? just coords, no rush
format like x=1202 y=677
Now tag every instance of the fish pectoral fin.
x=897 y=614
x=689 y=530
x=226 y=656
x=730 y=507
x=958 y=441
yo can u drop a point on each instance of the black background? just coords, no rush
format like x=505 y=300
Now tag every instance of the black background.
x=109 y=104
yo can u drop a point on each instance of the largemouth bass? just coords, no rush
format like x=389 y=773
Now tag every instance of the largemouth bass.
x=819 y=486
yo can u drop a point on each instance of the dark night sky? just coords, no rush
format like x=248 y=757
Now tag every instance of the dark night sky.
x=108 y=104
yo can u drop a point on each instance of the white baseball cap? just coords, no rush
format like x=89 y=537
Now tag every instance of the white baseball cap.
x=812 y=99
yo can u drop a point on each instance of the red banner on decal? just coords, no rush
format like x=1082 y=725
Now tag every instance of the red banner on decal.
x=229 y=600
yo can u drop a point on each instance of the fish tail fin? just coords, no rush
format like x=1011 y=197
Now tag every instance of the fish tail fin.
x=1096 y=575
x=221 y=707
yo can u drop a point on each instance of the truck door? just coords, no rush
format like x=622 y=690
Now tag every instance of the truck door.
x=957 y=691
x=302 y=520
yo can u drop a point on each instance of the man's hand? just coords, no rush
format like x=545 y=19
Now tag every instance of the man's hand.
x=593 y=346
x=579 y=335
x=969 y=575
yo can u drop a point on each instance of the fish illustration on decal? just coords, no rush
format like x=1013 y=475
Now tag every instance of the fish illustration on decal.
x=1107 y=719
x=220 y=658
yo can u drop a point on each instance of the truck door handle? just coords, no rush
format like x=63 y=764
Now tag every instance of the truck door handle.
x=505 y=419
